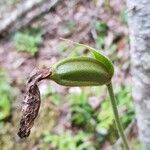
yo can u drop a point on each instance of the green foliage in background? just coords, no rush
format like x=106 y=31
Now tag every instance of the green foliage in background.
x=28 y=40
x=102 y=121
x=67 y=141
x=101 y=33
x=106 y=124
x=81 y=110
x=97 y=123
x=101 y=30
x=5 y=97
x=124 y=99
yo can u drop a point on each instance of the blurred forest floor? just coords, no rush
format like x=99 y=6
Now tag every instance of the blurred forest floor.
x=69 y=118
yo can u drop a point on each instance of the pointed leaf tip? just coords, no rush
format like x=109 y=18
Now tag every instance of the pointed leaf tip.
x=98 y=55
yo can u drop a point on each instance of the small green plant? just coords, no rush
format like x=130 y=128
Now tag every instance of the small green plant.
x=105 y=118
x=81 y=118
x=124 y=101
x=101 y=30
x=83 y=71
x=77 y=71
x=5 y=103
x=67 y=141
x=28 y=40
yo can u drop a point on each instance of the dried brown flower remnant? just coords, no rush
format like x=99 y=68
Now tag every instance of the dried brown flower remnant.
x=31 y=102
x=30 y=110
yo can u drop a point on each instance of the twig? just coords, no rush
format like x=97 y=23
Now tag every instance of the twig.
x=25 y=13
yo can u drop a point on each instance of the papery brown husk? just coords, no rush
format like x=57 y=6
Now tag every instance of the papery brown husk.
x=31 y=102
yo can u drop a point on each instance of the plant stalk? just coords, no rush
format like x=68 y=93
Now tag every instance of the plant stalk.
x=116 y=115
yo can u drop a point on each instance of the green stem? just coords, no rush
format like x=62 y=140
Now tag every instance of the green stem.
x=116 y=115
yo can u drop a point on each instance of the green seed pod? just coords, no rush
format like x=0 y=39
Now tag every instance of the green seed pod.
x=80 y=71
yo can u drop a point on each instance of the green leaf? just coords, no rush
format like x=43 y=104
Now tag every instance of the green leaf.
x=5 y=96
x=28 y=40
x=68 y=141
x=5 y=107
x=98 y=55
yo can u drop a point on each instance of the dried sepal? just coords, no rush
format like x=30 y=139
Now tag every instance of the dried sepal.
x=31 y=102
